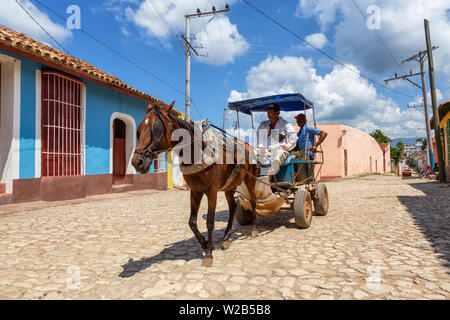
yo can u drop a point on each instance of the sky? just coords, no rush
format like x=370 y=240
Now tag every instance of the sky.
x=243 y=54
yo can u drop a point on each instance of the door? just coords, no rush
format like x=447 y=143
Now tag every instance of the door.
x=345 y=163
x=119 y=165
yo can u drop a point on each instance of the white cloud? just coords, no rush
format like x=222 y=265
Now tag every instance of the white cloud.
x=341 y=96
x=14 y=17
x=222 y=42
x=319 y=40
x=219 y=37
x=324 y=11
x=402 y=30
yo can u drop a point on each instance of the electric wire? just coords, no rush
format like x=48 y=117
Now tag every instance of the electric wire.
x=29 y=14
x=323 y=52
x=383 y=43
x=114 y=50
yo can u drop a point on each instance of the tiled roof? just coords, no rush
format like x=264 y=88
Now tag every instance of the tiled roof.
x=22 y=43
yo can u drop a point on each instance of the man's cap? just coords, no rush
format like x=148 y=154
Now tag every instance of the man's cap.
x=274 y=107
x=300 y=116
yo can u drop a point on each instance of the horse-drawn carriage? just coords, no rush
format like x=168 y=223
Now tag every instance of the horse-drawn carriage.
x=294 y=186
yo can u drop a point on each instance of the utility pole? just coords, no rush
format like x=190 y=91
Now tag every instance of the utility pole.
x=437 y=131
x=189 y=49
x=420 y=57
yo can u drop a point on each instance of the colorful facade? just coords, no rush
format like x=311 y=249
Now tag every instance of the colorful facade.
x=350 y=152
x=67 y=129
x=444 y=124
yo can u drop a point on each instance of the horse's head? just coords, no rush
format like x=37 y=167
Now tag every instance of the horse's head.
x=154 y=136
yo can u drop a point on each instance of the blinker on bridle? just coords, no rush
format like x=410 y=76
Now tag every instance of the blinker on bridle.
x=149 y=152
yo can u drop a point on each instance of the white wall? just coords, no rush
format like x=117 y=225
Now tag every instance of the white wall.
x=9 y=120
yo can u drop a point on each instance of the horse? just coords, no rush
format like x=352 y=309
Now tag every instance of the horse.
x=154 y=136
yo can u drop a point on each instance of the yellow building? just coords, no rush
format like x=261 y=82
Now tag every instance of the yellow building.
x=444 y=124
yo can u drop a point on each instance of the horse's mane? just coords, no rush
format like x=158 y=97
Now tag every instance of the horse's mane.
x=174 y=115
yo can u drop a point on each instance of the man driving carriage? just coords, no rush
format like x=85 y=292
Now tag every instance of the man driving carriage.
x=276 y=137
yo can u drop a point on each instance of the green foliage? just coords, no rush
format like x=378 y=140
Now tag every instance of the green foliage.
x=424 y=142
x=400 y=146
x=396 y=152
x=379 y=136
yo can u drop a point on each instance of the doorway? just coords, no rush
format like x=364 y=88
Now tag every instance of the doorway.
x=119 y=146
x=345 y=163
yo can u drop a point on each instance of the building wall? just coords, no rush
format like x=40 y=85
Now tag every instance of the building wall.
x=388 y=159
x=446 y=147
x=9 y=121
x=101 y=105
x=364 y=154
x=443 y=124
x=28 y=118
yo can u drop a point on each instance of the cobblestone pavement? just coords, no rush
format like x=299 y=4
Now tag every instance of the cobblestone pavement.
x=383 y=238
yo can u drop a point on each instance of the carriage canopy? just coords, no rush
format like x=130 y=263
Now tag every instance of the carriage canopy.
x=287 y=102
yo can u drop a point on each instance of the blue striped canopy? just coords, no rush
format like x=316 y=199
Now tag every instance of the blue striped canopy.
x=287 y=102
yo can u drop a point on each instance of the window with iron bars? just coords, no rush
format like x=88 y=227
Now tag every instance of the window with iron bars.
x=62 y=125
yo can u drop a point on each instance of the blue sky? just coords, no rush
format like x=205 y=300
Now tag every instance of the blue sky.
x=249 y=56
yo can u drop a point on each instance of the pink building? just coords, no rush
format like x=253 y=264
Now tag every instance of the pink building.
x=348 y=152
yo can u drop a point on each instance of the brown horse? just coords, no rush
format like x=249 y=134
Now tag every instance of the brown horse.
x=154 y=136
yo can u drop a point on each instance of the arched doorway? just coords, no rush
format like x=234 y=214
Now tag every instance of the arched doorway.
x=119 y=149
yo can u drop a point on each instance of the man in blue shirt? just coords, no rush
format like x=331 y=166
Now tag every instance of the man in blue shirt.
x=310 y=132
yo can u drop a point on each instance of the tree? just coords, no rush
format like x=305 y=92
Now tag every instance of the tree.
x=396 y=152
x=424 y=142
x=379 y=136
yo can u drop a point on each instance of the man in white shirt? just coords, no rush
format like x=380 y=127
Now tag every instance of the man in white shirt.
x=276 y=137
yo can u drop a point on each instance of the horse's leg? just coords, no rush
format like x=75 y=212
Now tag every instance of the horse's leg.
x=250 y=183
x=212 y=201
x=196 y=198
x=232 y=210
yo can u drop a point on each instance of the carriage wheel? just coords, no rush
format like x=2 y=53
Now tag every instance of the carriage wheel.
x=321 y=203
x=302 y=209
x=243 y=216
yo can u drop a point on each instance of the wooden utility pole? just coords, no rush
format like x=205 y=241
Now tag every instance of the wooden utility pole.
x=188 y=51
x=437 y=131
x=420 y=57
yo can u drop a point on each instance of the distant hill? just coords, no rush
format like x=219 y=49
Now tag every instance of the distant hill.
x=404 y=140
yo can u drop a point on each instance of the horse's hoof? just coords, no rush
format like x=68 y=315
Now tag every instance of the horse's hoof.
x=225 y=244
x=254 y=233
x=207 y=262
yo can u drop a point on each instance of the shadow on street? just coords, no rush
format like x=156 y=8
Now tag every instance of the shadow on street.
x=190 y=249
x=432 y=215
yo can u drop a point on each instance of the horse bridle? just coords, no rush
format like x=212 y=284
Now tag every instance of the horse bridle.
x=149 y=152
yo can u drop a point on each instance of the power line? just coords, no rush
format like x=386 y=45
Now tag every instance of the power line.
x=323 y=52
x=187 y=48
x=382 y=42
x=29 y=14
x=161 y=16
x=114 y=50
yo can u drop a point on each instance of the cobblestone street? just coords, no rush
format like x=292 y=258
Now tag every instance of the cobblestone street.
x=384 y=238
